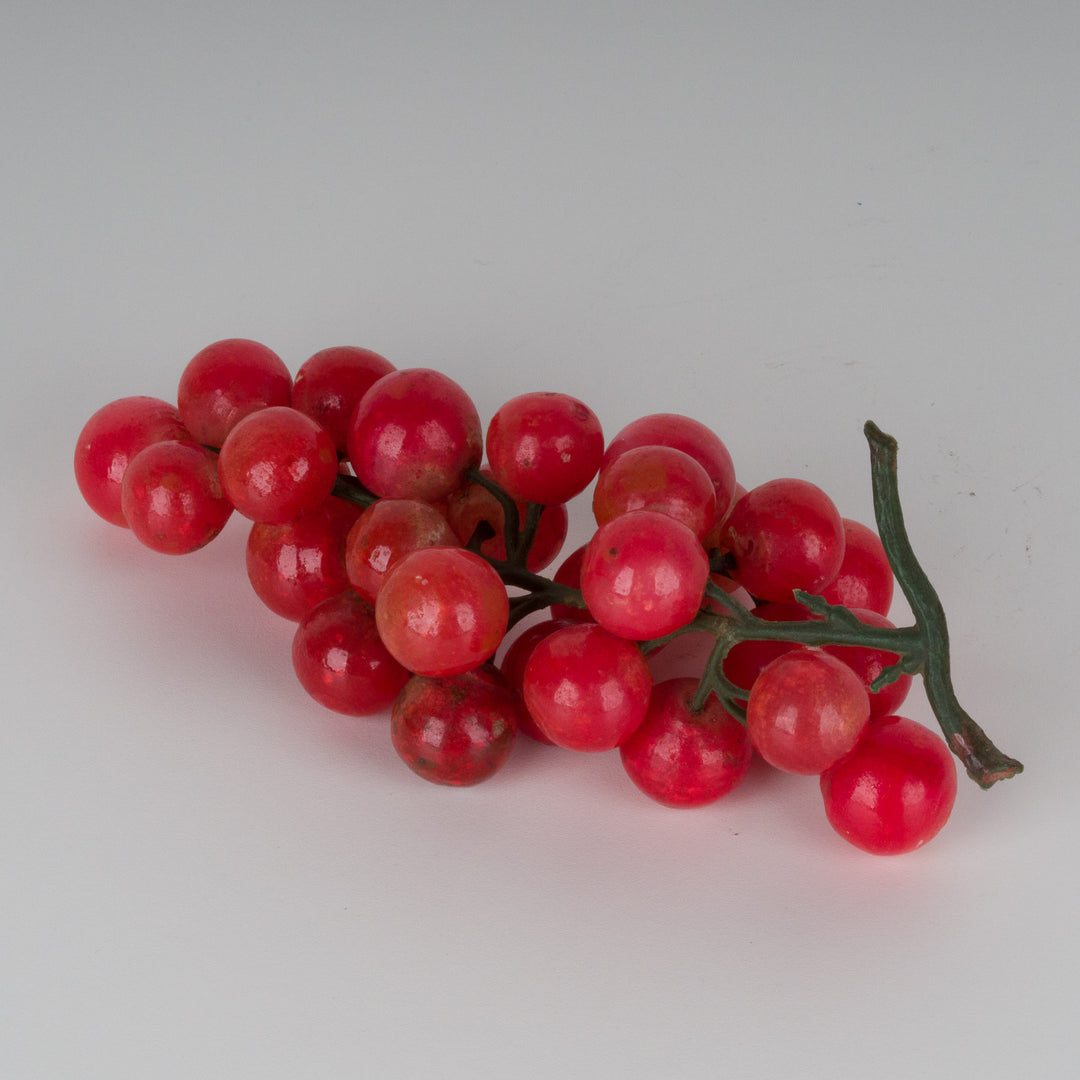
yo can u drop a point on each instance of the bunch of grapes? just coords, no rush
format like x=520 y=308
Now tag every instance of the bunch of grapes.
x=407 y=562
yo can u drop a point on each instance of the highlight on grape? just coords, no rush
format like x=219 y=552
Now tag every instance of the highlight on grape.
x=409 y=544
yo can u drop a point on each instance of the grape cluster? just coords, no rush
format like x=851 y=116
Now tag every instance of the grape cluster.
x=406 y=562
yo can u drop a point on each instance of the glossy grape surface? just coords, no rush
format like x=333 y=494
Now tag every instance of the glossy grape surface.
x=865 y=578
x=442 y=611
x=514 y=662
x=686 y=434
x=895 y=791
x=414 y=435
x=227 y=381
x=330 y=384
x=457 y=731
x=586 y=688
x=682 y=758
x=544 y=447
x=658 y=478
x=172 y=498
x=643 y=575
x=785 y=534
x=806 y=711
x=385 y=533
x=340 y=660
x=276 y=464
x=296 y=565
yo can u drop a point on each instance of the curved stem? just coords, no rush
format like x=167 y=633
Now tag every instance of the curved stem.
x=350 y=489
x=713 y=679
x=984 y=762
x=511 y=518
x=528 y=532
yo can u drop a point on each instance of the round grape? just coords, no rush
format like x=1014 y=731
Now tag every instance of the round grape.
x=865 y=578
x=227 y=381
x=895 y=791
x=330 y=384
x=784 y=535
x=414 y=435
x=458 y=730
x=544 y=447
x=296 y=565
x=681 y=433
x=276 y=464
x=385 y=533
x=341 y=661
x=644 y=575
x=172 y=497
x=587 y=689
x=442 y=611
x=806 y=711
x=658 y=478
x=682 y=758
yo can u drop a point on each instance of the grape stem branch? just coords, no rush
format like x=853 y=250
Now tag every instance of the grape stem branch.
x=922 y=648
x=984 y=762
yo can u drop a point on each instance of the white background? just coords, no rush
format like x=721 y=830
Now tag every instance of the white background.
x=780 y=218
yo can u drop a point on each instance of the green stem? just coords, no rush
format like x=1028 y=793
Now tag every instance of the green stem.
x=512 y=535
x=984 y=762
x=541 y=592
x=922 y=648
x=350 y=489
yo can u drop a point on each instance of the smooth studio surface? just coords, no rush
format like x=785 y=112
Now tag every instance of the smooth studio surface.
x=780 y=219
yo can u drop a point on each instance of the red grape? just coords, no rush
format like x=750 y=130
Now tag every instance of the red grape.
x=276 y=464
x=330 y=384
x=586 y=688
x=513 y=666
x=442 y=611
x=340 y=660
x=644 y=575
x=414 y=435
x=544 y=447
x=658 y=478
x=806 y=711
x=227 y=381
x=294 y=566
x=894 y=791
x=385 y=533
x=865 y=578
x=458 y=730
x=784 y=535
x=682 y=433
x=172 y=497
x=682 y=758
